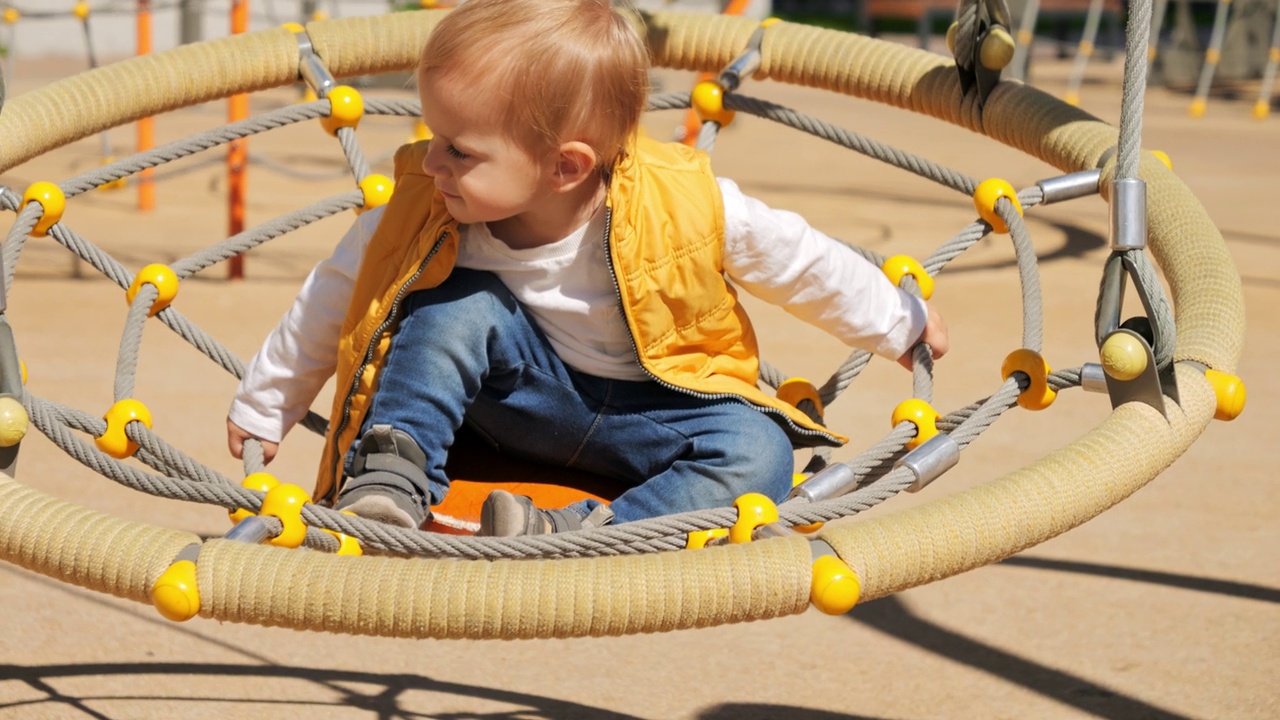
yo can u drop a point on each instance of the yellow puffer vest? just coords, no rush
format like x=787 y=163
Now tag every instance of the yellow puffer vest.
x=665 y=240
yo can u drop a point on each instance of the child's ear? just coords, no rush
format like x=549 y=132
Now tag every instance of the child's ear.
x=575 y=164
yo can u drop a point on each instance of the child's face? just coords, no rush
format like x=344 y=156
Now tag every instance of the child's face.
x=482 y=172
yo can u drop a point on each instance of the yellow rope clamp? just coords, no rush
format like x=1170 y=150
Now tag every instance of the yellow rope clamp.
x=260 y=481
x=51 y=198
x=707 y=100
x=347 y=545
x=700 y=538
x=796 y=390
x=1038 y=394
x=347 y=107
x=377 y=191
x=754 y=510
x=114 y=442
x=985 y=197
x=13 y=421
x=919 y=413
x=1229 y=390
x=165 y=280
x=900 y=266
x=284 y=502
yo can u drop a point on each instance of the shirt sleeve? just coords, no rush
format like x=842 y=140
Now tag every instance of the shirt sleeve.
x=301 y=353
x=778 y=257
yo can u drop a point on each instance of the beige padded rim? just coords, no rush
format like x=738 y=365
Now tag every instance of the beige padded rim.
x=617 y=595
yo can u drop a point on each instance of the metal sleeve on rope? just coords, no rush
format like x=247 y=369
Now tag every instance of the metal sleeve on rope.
x=1070 y=186
x=930 y=460
x=1128 y=214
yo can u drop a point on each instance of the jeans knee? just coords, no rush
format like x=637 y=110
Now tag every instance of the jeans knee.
x=761 y=459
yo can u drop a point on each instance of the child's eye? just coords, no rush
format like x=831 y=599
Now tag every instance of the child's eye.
x=455 y=152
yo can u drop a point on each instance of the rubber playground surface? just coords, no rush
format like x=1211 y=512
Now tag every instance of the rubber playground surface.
x=1166 y=606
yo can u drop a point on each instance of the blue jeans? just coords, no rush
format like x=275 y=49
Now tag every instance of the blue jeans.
x=467 y=349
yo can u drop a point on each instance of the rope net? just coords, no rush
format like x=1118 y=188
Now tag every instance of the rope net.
x=1053 y=495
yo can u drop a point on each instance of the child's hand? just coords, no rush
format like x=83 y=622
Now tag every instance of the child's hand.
x=934 y=335
x=236 y=436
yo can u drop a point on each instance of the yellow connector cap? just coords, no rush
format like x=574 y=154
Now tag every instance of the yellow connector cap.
x=1230 y=392
x=835 y=588
x=175 y=593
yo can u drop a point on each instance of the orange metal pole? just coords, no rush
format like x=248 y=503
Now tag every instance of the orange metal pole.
x=147 y=125
x=237 y=150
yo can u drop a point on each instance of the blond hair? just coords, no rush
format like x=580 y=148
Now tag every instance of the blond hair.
x=554 y=70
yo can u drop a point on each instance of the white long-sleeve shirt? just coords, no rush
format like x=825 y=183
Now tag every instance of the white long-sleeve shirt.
x=773 y=254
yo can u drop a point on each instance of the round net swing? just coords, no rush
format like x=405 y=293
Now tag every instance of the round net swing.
x=642 y=576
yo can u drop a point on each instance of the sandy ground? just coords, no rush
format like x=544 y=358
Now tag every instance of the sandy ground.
x=1167 y=606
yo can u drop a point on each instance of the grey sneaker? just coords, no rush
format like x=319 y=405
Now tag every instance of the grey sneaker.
x=506 y=515
x=382 y=504
x=388 y=483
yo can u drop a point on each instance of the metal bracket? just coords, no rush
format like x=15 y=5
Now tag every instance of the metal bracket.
x=1110 y=299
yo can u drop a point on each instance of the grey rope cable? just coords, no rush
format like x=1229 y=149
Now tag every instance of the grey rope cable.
x=131 y=340
x=1137 y=37
x=853 y=141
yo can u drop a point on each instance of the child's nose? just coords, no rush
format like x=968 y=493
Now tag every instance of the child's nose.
x=432 y=164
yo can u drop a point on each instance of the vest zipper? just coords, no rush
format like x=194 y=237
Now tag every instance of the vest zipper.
x=617 y=290
x=368 y=357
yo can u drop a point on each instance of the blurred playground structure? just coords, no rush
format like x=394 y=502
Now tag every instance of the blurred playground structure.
x=1218 y=47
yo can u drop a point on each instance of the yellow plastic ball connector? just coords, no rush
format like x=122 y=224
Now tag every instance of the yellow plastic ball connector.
x=900 y=266
x=377 y=191
x=754 y=510
x=347 y=108
x=284 y=502
x=997 y=49
x=699 y=538
x=11 y=15
x=1038 y=394
x=1123 y=357
x=51 y=198
x=114 y=442
x=81 y=10
x=347 y=545
x=835 y=588
x=951 y=38
x=13 y=421
x=1071 y=98
x=1163 y=157
x=165 y=281
x=1230 y=392
x=260 y=481
x=1197 y=108
x=796 y=390
x=989 y=192
x=175 y=593
x=919 y=413
x=707 y=100
x=293 y=27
